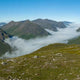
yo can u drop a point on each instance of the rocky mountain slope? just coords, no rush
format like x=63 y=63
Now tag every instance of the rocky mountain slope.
x=25 y=29
x=3 y=35
x=78 y=30
x=49 y=24
x=53 y=62
x=4 y=47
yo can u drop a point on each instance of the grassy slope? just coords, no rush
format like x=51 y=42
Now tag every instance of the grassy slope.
x=53 y=62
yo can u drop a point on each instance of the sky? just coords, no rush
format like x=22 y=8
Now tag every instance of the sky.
x=59 y=10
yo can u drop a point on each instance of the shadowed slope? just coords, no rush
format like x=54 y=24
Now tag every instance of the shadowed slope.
x=4 y=48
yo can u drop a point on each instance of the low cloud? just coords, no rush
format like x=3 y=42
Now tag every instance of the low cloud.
x=23 y=47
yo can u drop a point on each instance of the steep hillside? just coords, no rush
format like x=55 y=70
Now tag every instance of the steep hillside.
x=49 y=24
x=53 y=62
x=4 y=48
x=25 y=29
x=3 y=35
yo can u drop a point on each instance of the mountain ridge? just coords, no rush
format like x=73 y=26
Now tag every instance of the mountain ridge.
x=25 y=30
x=49 y=24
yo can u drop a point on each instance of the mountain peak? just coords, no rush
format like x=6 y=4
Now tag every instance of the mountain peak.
x=11 y=22
x=25 y=29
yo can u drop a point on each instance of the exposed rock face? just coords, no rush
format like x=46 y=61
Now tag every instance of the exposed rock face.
x=25 y=29
x=49 y=24
x=3 y=35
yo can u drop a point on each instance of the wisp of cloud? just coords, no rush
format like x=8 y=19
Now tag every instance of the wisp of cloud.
x=28 y=46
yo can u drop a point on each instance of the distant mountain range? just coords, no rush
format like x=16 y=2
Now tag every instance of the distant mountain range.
x=2 y=24
x=30 y=29
x=25 y=29
x=66 y=22
x=49 y=24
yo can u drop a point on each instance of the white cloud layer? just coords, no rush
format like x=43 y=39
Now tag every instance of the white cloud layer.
x=28 y=46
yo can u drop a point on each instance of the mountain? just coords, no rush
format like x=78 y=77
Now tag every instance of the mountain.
x=25 y=29
x=49 y=24
x=2 y=24
x=3 y=35
x=74 y=40
x=4 y=47
x=66 y=23
x=53 y=62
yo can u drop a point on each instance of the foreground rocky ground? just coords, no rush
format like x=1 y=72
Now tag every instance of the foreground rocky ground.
x=53 y=62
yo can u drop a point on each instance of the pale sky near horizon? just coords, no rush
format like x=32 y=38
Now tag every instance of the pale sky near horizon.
x=59 y=10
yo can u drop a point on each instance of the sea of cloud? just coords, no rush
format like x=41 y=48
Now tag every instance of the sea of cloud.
x=21 y=47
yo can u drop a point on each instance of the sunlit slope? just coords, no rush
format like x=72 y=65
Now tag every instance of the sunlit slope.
x=49 y=24
x=53 y=62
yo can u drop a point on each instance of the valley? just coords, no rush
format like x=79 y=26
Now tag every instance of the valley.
x=39 y=39
x=44 y=57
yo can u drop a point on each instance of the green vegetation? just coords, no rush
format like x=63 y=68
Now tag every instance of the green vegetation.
x=53 y=62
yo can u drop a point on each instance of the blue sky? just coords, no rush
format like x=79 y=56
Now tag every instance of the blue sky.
x=59 y=10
